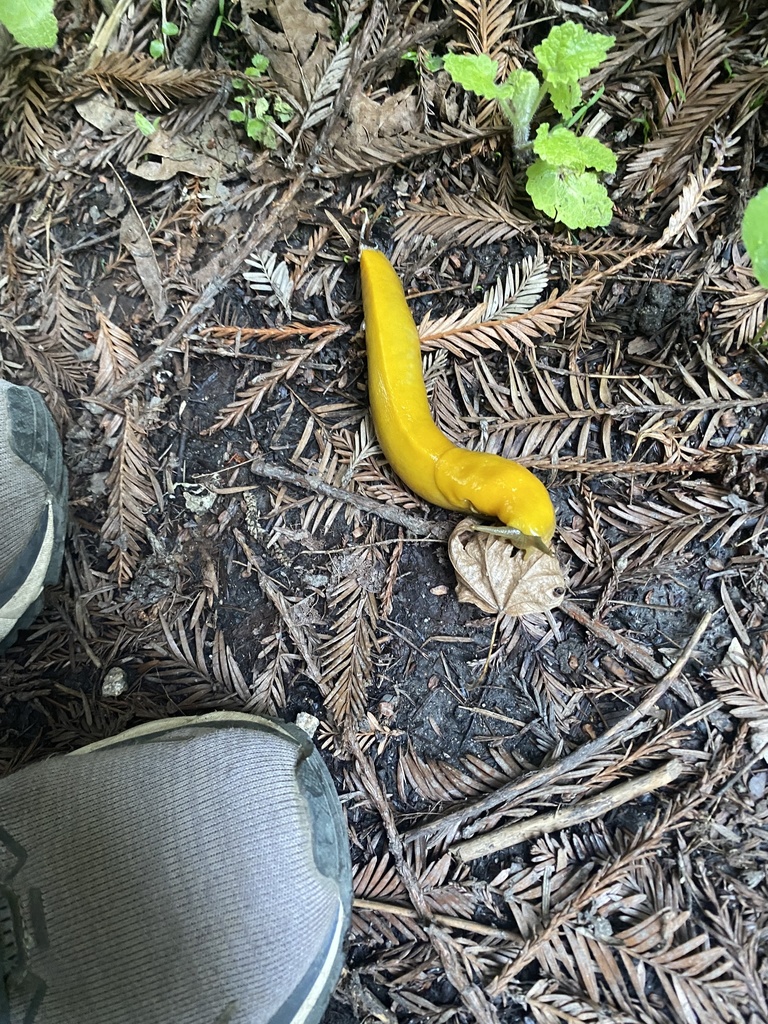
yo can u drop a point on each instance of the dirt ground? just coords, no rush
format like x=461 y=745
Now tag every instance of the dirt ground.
x=189 y=303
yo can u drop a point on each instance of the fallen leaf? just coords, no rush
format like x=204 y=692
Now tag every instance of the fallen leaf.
x=497 y=577
x=164 y=156
x=103 y=113
x=298 y=53
x=396 y=115
x=135 y=238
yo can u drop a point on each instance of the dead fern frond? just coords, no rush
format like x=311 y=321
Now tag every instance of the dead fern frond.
x=268 y=687
x=520 y=290
x=226 y=670
x=550 y=1003
x=409 y=146
x=347 y=657
x=510 y=296
x=742 y=684
x=378 y=879
x=469 y=338
x=283 y=369
x=19 y=181
x=694 y=205
x=487 y=23
x=455 y=221
x=737 y=320
x=160 y=88
x=64 y=321
x=114 y=352
x=31 y=132
x=130 y=490
x=664 y=161
x=323 y=97
x=55 y=367
x=190 y=653
x=660 y=529
x=178 y=658
x=235 y=335
x=438 y=782
x=270 y=276
x=61 y=333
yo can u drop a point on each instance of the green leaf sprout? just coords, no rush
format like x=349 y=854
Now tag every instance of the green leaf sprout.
x=754 y=230
x=563 y=181
x=568 y=54
x=145 y=126
x=259 y=111
x=31 y=22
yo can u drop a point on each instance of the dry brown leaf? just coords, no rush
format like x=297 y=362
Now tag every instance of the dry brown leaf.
x=497 y=577
x=298 y=52
x=166 y=155
x=135 y=237
x=397 y=115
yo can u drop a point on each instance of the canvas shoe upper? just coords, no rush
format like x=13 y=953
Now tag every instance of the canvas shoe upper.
x=191 y=871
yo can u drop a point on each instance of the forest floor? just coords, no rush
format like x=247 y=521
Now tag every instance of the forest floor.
x=188 y=302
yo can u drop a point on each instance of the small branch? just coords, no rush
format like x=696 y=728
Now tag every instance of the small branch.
x=462 y=819
x=201 y=14
x=305 y=482
x=568 y=815
x=634 y=651
x=461 y=923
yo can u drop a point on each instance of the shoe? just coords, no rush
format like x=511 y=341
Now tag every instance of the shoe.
x=33 y=506
x=191 y=871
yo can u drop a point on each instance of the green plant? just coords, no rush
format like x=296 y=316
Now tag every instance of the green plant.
x=31 y=22
x=563 y=181
x=754 y=231
x=424 y=59
x=145 y=126
x=222 y=20
x=157 y=48
x=257 y=111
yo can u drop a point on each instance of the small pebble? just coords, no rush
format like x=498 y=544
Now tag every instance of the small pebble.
x=307 y=723
x=115 y=683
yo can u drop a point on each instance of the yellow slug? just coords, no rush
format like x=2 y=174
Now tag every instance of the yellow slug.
x=418 y=451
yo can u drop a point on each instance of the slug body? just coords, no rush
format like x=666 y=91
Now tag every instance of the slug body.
x=421 y=455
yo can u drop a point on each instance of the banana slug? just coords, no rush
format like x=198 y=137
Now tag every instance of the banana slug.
x=418 y=451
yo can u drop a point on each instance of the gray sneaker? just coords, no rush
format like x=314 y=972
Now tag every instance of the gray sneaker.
x=33 y=505
x=192 y=871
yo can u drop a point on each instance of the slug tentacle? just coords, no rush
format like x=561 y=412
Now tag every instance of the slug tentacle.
x=421 y=455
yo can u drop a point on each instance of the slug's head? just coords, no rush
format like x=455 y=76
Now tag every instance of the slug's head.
x=515 y=536
x=494 y=486
x=532 y=522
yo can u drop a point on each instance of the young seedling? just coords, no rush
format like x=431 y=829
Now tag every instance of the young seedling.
x=257 y=112
x=563 y=181
x=145 y=126
x=222 y=20
x=424 y=59
x=158 y=47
